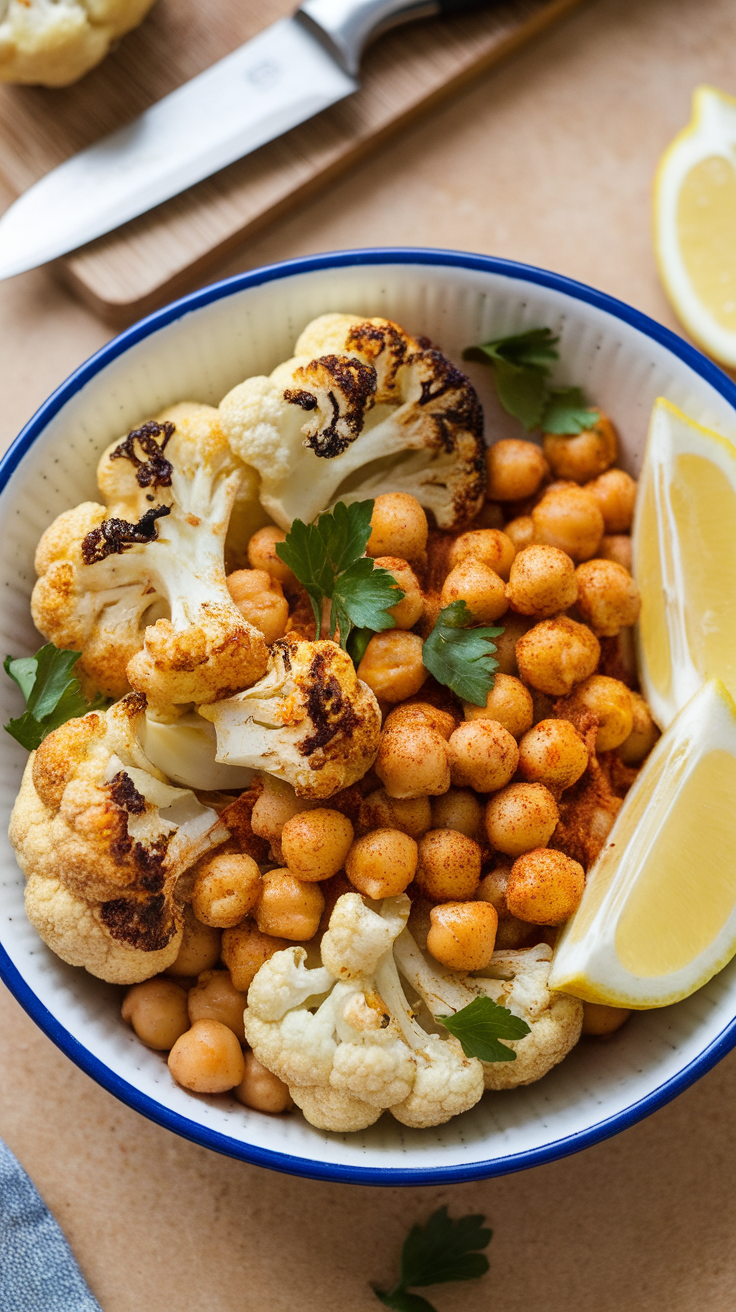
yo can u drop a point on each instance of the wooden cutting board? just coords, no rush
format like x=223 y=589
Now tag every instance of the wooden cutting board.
x=166 y=251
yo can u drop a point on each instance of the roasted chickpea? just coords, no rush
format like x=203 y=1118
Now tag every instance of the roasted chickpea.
x=315 y=843
x=542 y=582
x=244 y=950
x=275 y=806
x=521 y=531
x=260 y=599
x=545 y=887
x=406 y=612
x=458 y=809
x=227 y=887
x=513 y=933
x=262 y=554
x=432 y=717
x=521 y=817
x=412 y=815
x=643 y=736
x=514 y=626
x=583 y=456
x=288 y=907
x=261 y=1090
x=488 y=545
x=601 y=1020
x=392 y=665
x=398 y=527
x=556 y=654
x=157 y=1010
x=508 y=702
x=490 y=515
x=617 y=547
x=492 y=888
x=615 y=492
x=479 y=586
x=413 y=762
x=552 y=753
x=611 y=703
x=515 y=469
x=200 y=947
x=382 y=864
x=215 y=997
x=207 y=1059
x=449 y=866
x=608 y=597
x=462 y=935
x=569 y=517
x=483 y=755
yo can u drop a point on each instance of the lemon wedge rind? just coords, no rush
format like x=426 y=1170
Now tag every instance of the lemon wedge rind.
x=658 y=916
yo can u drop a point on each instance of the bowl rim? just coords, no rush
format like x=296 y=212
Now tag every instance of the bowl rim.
x=9 y=973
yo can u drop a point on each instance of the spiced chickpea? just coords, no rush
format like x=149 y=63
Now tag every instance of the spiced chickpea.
x=208 y=1058
x=392 y=665
x=600 y=1020
x=226 y=888
x=584 y=455
x=274 y=807
x=288 y=907
x=412 y=713
x=382 y=863
x=262 y=1090
x=617 y=547
x=521 y=817
x=520 y=531
x=615 y=492
x=492 y=888
x=409 y=610
x=315 y=843
x=513 y=934
x=260 y=599
x=462 y=935
x=262 y=555
x=545 y=887
x=643 y=736
x=157 y=1011
x=412 y=815
x=483 y=755
x=552 y=753
x=413 y=762
x=448 y=869
x=479 y=586
x=514 y=626
x=508 y=702
x=215 y=997
x=611 y=703
x=200 y=947
x=489 y=545
x=515 y=469
x=568 y=517
x=244 y=950
x=398 y=527
x=542 y=581
x=556 y=654
x=458 y=809
x=608 y=597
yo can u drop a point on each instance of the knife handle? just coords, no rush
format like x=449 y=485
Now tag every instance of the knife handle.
x=346 y=27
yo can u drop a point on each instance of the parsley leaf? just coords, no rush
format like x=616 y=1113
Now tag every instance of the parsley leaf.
x=521 y=366
x=566 y=412
x=327 y=558
x=460 y=657
x=53 y=693
x=441 y=1251
x=481 y=1024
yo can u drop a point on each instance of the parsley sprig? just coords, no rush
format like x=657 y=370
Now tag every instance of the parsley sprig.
x=481 y=1024
x=459 y=656
x=521 y=366
x=437 y=1253
x=327 y=559
x=53 y=693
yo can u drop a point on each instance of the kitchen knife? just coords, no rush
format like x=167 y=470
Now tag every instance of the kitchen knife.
x=284 y=75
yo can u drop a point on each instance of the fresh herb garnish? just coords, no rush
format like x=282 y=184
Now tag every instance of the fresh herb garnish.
x=461 y=657
x=521 y=366
x=481 y=1024
x=327 y=558
x=441 y=1251
x=53 y=693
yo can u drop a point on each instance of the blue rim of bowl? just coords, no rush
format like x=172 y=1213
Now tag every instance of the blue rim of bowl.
x=9 y=973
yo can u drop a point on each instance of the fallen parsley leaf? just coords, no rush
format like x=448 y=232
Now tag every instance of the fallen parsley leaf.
x=327 y=558
x=567 y=413
x=53 y=693
x=460 y=657
x=481 y=1024
x=521 y=366
x=441 y=1251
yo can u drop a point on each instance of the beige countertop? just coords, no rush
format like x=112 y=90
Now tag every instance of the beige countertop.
x=548 y=159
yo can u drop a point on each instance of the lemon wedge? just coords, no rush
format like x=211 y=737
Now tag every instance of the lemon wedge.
x=658 y=915
x=695 y=224
x=684 y=551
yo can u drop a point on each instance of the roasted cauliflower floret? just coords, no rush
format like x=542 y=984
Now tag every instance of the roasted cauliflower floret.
x=55 y=42
x=363 y=408
x=103 y=839
x=310 y=720
x=138 y=586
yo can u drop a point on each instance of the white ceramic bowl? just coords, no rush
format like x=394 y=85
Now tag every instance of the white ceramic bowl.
x=199 y=348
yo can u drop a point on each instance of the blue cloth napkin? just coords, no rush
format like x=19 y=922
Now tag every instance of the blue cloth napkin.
x=37 y=1270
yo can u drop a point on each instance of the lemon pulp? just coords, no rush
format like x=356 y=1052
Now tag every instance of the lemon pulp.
x=706 y=225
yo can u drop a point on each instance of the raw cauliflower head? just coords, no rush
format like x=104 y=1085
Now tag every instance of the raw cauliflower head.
x=55 y=42
x=363 y=408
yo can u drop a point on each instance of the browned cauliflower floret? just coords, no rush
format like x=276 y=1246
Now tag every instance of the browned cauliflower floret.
x=310 y=720
x=55 y=42
x=138 y=586
x=103 y=838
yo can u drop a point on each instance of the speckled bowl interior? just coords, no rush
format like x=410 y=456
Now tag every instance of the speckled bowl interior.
x=198 y=349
